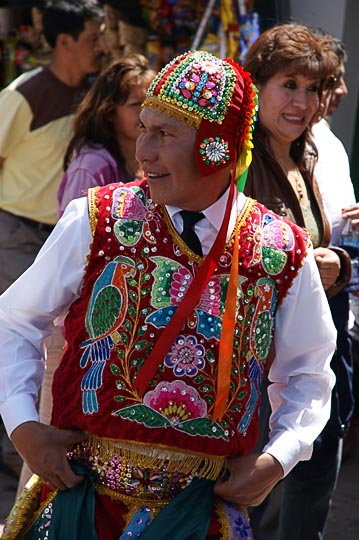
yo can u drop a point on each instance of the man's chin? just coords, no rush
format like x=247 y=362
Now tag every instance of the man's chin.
x=157 y=195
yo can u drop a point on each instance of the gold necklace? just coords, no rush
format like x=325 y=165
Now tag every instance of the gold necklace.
x=295 y=175
x=298 y=184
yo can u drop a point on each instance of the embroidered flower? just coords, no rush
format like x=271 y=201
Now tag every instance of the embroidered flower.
x=177 y=401
x=186 y=356
x=242 y=527
x=142 y=478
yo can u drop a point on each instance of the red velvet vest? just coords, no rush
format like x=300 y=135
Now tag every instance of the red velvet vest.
x=138 y=272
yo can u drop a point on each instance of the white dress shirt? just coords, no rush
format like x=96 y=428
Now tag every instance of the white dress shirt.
x=304 y=337
x=332 y=172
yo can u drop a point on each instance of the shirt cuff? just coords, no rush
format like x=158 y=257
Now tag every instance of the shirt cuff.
x=18 y=410
x=286 y=448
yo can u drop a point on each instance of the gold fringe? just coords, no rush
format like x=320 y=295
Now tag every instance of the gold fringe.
x=223 y=520
x=24 y=512
x=173 y=109
x=92 y=205
x=148 y=456
x=133 y=502
x=242 y=217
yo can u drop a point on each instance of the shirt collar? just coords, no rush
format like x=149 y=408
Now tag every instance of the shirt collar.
x=214 y=213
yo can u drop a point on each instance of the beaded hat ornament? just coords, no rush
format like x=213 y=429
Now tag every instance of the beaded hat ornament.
x=217 y=97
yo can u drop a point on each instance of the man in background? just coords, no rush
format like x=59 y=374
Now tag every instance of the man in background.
x=36 y=113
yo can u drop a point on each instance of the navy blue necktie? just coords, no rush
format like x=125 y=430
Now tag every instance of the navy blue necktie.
x=188 y=235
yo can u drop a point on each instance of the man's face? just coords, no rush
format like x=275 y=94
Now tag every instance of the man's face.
x=165 y=149
x=88 y=49
x=338 y=91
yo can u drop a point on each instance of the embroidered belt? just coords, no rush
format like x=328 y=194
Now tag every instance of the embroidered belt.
x=139 y=471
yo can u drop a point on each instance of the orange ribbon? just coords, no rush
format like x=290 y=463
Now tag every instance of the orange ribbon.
x=227 y=334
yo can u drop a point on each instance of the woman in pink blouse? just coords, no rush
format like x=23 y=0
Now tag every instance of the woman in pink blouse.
x=106 y=126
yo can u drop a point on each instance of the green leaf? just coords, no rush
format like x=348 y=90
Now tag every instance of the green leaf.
x=120 y=398
x=133 y=296
x=128 y=325
x=114 y=369
x=140 y=345
x=143 y=415
x=203 y=427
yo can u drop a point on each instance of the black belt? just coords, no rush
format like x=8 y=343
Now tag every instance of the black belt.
x=32 y=223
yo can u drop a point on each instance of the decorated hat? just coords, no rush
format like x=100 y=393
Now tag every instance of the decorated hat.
x=217 y=97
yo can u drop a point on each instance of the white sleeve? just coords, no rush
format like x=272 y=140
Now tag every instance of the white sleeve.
x=300 y=376
x=29 y=308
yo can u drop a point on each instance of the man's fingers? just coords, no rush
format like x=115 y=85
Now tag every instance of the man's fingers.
x=74 y=436
x=63 y=480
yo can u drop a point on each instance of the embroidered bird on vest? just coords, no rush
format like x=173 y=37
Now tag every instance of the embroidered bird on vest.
x=105 y=313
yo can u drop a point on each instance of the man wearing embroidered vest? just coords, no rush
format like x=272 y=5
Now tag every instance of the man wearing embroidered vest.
x=156 y=398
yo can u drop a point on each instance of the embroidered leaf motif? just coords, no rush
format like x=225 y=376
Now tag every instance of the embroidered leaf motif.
x=128 y=232
x=133 y=296
x=163 y=275
x=128 y=325
x=140 y=345
x=143 y=415
x=131 y=310
x=124 y=338
x=203 y=427
x=114 y=369
x=273 y=260
x=161 y=317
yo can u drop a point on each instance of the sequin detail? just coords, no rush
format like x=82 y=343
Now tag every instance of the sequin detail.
x=199 y=87
x=214 y=151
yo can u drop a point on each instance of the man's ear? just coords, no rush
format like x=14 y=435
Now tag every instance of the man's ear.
x=64 y=41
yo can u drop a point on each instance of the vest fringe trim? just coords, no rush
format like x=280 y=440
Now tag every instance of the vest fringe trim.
x=146 y=456
x=26 y=509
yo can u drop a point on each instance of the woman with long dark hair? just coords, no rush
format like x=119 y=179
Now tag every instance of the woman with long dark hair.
x=106 y=126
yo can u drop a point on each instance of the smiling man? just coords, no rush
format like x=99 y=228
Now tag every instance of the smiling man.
x=174 y=289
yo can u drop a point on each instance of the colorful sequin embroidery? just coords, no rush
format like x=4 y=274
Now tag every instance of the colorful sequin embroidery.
x=214 y=151
x=200 y=87
x=129 y=299
x=272 y=238
x=106 y=312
